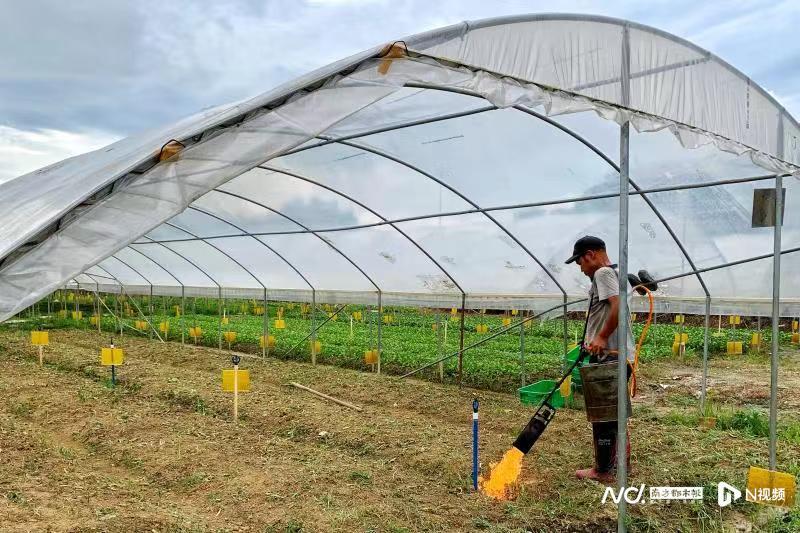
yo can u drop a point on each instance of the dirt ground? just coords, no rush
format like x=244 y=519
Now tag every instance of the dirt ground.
x=160 y=453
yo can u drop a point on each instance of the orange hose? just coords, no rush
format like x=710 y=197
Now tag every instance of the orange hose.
x=639 y=344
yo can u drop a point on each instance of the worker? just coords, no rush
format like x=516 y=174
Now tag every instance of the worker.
x=600 y=340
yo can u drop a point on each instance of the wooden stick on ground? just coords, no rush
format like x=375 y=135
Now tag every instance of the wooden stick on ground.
x=321 y=395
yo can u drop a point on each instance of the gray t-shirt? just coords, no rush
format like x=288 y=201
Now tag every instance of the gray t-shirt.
x=605 y=284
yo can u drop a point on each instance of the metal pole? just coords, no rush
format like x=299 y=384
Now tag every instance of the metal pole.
x=183 y=314
x=150 y=305
x=265 y=348
x=566 y=327
x=705 y=358
x=522 y=350
x=475 y=444
x=461 y=340
x=219 y=312
x=776 y=294
x=624 y=315
x=313 y=327
x=439 y=345
x=380 y=330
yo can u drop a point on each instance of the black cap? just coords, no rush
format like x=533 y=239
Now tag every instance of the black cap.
x=583 y=245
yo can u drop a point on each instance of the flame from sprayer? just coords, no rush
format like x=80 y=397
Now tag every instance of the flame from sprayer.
x=503 y=477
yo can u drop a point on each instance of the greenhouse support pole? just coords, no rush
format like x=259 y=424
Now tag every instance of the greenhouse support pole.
x=705 y=358
x=439 y=345
x=566 y=328
x=265 y=348
x=183 y=315
x=776 y=294
x=99 y=312
x=219 y=320
x=461 y=339
x=313 y=327
x=522 y=350
x=623 y=315
x=150 y=305
x=380 y=331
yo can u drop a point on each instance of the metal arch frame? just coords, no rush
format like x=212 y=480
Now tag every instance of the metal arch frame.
x=370 y=210
x=385 y=155
x=152 y=241
x=122 y=290
x=134 y=270
x=170 y=224
x=159 y=265
x=246 y=234
x=591 y=147
x=306 y=229
x=525 y=205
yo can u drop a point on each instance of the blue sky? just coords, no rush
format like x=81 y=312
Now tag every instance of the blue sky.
x=77 y=75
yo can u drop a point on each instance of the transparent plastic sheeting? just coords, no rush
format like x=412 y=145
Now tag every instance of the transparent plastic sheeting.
x=262 y=200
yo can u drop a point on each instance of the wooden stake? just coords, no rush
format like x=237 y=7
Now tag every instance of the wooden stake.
x=321 y=395
x=41 y=355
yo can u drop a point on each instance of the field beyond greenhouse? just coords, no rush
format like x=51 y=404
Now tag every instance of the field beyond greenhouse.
x=159 y=451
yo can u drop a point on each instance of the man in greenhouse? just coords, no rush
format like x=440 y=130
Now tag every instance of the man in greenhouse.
x=600 y=340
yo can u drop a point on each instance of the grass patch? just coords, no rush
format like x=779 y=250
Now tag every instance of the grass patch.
x=22 y=410
x=187 y=399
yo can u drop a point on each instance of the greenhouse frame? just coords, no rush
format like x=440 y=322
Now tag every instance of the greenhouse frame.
x=450 y=169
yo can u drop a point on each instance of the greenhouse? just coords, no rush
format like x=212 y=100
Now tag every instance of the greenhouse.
x=451 y=170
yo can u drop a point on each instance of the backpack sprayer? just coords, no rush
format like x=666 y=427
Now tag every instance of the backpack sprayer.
x=643 y=284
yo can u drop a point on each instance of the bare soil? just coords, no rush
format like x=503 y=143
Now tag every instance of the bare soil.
x=160 y=452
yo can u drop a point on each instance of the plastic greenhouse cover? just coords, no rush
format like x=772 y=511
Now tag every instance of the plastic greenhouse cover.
x=485 y=115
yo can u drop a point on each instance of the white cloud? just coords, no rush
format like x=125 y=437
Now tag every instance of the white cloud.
x=23 y=151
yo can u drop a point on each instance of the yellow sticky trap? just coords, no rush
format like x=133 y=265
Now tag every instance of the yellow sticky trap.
x=259 y=310
x=506 y=322
x=453 y=311
x=566 y=387
x=391 y=52
x=177 y=310
x=755 y=340
x=734 y=347
x=680 y=319
x=77 y=315
x=280 y=323
x=111 y=356
x=195 y=332
x=371 y=357
x=229 y=336
x=40 y=338
x=795 y=338
x=357 y=315
x=734 y=320
x=633 y=317
x=141 y=325
x=388 y=319
x=280 y=312
x=681 y=338
x=242 y=377
x=795 y=325
x=769 y=487
x=163 y=327
x=290 y=306
x=271 y=341
x=226 y=320
x=481 y=328
x=434 y=327
x=316 y=346
x=333 y=316
x=62 y=314
x=514 y=312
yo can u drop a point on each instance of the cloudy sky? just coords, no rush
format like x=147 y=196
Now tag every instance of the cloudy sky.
x=77 y=75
